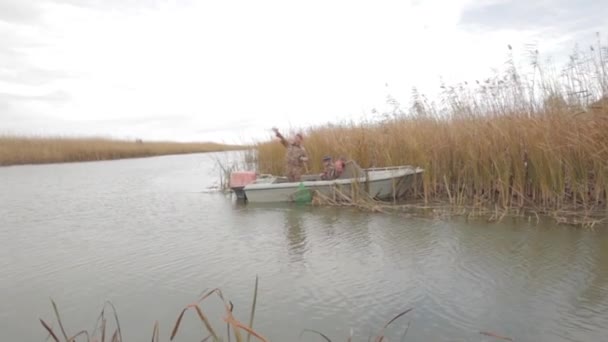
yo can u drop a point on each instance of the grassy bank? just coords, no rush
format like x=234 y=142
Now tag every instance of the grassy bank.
x=37 y=150
x=524 y=138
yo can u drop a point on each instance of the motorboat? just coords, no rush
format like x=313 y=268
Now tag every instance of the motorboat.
x=385 y=184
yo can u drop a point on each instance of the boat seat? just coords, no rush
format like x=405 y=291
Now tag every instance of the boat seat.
x=311 y=177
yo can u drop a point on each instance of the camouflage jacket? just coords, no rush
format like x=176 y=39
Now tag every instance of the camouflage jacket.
x=296 y=155
x=329 y=172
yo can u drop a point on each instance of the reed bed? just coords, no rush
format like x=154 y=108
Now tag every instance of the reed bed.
x=234 y=328
x=16 y=150
x=526 y=138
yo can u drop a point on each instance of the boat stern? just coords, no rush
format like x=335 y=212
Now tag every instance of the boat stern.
x=238 y=181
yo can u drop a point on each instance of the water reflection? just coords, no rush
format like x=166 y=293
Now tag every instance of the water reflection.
x=597 y=256
x=587 y=307
x=295 y=234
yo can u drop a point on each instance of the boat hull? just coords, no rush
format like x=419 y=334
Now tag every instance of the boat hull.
x=382 y=184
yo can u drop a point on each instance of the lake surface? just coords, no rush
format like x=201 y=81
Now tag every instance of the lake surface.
x=149 y=235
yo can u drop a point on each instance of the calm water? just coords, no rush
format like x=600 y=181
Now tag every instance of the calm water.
x=148 y=235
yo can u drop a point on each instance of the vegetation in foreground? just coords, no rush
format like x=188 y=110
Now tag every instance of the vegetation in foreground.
x=534 y=139
x=16 y=150
x=234 y=328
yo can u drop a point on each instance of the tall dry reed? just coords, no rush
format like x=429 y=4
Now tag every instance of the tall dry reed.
x=36 y=150
x=535 y=139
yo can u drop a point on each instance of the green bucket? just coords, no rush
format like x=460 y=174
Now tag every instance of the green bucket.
x=303 y=195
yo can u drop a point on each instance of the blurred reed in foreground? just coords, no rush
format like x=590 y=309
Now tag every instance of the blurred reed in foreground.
x=235 y=329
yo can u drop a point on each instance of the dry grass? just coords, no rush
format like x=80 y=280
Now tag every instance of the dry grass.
x=239 y=329
x=535 y=139
x=37 y=150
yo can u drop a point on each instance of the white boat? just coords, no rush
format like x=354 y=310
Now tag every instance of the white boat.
x=388 y=183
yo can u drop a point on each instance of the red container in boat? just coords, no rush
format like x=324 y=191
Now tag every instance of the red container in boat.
x=239 y=179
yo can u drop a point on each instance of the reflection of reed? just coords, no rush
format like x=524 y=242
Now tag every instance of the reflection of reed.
x=593 y=295
x=296 y=235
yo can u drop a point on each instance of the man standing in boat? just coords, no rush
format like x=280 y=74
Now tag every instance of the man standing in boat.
x=296 y=156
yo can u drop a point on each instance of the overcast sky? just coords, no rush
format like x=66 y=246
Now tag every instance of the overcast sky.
x=230 y=70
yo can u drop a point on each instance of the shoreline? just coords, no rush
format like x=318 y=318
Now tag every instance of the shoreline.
x=24 y=150
x=442 y=208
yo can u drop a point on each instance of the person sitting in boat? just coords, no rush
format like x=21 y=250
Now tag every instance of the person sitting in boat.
x=329 y=172
x=296 y=156
x=339 y=166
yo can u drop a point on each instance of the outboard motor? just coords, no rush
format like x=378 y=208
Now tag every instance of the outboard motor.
x=238 y=181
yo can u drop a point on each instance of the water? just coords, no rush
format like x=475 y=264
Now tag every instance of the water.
x=148 y=235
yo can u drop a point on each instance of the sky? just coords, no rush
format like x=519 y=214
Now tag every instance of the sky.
x=228 y=71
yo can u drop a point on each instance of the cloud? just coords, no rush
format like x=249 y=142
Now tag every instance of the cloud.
x=27 y=27
x=57 y=97
x=31 y=12
x=20 y=111
x=20 y=11
x=157 y=68
x=553 y=27
x=122 y=4
x=562 y=15
x=22 y=34
x=30 y=75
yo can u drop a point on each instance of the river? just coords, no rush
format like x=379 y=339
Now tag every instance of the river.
x=149 y=235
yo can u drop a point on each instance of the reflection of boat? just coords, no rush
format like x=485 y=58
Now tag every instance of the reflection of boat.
x=386 y=183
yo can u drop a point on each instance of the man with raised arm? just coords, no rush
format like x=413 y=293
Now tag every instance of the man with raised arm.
x=296 y=156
